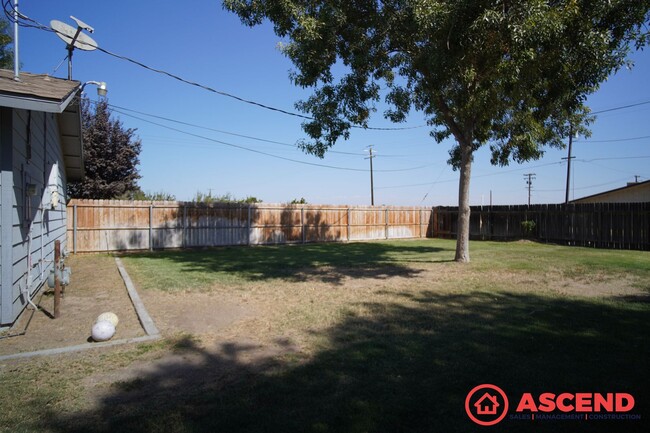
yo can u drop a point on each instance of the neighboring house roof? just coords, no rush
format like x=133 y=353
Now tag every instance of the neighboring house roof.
x=52 y=95
x=636 y=192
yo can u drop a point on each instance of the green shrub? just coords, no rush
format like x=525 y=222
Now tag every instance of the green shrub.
x=528 y=227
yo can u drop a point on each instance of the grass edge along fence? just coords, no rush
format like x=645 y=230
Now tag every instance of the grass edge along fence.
x=600 y=225
x=123 y=225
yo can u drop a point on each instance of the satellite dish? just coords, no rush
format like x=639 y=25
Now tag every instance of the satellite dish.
x=82 y=24
x=74 y=38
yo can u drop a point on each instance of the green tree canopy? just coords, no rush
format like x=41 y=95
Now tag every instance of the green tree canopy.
x=139 y=194
x=208 y=198
x=6 y=52
x=111 y=155
x=513 y=74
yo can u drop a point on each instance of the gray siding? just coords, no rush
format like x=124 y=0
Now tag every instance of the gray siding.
x=6 y=191
x=37 y=160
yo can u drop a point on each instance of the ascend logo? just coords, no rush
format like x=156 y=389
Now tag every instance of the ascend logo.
x=487 y=405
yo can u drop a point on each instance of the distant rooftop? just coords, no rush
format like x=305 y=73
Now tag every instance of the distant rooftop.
x=633 y=192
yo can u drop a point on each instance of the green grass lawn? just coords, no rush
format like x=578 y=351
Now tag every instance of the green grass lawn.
x=199 y=269
x=392 y=337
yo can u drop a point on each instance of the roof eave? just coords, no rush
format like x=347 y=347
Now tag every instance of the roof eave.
x=36 y=104
x=72 y=142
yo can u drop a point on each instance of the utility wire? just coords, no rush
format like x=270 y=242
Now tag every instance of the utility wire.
x=604 y=166
x=620 y=108
x=499 y=173
x=238 y=98
x=40 y=26
x=264 y=153
x=9 y=10
x=616 y=158
x=586 y=187
x=207 y=128
x=612 y=140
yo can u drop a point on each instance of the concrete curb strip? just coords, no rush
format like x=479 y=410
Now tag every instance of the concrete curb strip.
x=79 y=347
x=146 y=320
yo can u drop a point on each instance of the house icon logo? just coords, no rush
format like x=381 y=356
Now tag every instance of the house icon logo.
x=486 y=404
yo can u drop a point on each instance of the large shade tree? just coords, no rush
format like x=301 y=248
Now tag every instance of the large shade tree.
x=111 y=155
x=511 y=74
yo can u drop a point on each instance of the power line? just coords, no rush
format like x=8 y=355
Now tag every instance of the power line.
x=9 y=10
x=616 y=158
x=620 y=108
x=499 y=173
x=40 y=26
x=383 y=155
x=238 y=98
x=586 y=187
x=118 y=110
x=207 y=128
x=613 y=140
x=265 y=153
x=604 y=166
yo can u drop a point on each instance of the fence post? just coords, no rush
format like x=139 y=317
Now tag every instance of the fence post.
x=302 y=224
x=348 y=223
x=248 y=226
x=386 y=221
x=74 y=228
x=434 y=222
x=184 y=226
x=151 y=227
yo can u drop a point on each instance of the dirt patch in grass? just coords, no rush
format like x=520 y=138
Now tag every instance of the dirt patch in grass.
x=194 y=313
x=602 y=287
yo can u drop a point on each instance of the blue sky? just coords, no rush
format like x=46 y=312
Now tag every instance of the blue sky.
x=201 y=42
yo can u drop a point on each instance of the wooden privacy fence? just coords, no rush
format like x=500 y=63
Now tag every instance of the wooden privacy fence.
x=601 y=225
x=120 y=225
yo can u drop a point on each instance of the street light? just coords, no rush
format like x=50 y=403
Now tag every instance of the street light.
x=102 y=89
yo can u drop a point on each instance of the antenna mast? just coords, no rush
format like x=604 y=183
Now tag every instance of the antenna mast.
x=16 y=60
x=74 y=38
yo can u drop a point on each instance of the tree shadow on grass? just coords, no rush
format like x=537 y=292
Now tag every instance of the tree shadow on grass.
x=329 y=262
x=406 y=366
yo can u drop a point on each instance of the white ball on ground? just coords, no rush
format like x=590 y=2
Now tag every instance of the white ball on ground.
x=109 y=317
x=103 y=330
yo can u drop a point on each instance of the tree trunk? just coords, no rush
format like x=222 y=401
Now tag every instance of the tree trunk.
x=462 y=239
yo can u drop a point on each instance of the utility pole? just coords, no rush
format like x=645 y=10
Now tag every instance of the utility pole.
x=568 y=167
x=529 y=182
x=372 y=187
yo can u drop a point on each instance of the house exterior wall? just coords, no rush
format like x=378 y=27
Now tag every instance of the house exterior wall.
x=30 y=221
x=632 y=194
x=5 y=211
